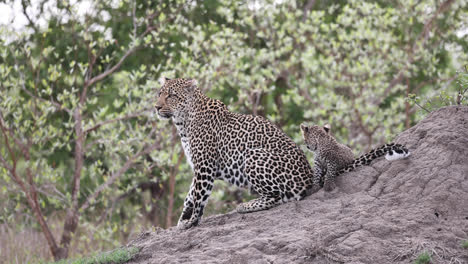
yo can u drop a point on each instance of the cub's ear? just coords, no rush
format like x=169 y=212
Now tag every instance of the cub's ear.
x=162 y=80
x=191 y=85
x=193 y=82
x=304 y=128
x=327 y=128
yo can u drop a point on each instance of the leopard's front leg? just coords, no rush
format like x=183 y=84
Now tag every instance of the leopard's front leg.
x=329 y=183
x=196 y=199
x=319 y=173
x=188 y=205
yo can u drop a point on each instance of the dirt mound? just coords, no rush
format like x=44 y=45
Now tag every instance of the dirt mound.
x=383 y=213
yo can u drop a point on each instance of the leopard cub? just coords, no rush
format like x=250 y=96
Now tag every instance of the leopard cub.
x=333 y=158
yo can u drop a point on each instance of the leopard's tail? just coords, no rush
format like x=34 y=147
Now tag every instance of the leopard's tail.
x=391 y=151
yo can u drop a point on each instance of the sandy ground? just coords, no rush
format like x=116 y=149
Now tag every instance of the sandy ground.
x=382 y=213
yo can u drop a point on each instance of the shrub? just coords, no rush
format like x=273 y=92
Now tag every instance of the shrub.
x=116 y=256
x=423 y=258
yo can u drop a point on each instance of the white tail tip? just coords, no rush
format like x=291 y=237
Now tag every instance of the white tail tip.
x=396 y=156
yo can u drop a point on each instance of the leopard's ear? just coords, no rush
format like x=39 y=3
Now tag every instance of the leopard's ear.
x=304 y=128
x=162 y=80
x=191 y=85
x=327 y=128
x=193 y=82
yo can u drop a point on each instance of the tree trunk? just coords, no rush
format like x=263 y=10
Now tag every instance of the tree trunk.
x=72 y=217
x=172 y=176
x=54 y=248
x=407 y=106
x=30 y=193
x=69 y=227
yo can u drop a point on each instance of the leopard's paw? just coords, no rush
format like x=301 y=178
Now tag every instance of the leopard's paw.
x=242 y=208
x=329 y=186
x=313 y=190
x=186 y=224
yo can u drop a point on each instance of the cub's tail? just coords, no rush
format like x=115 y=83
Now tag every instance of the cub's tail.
x=391 y=151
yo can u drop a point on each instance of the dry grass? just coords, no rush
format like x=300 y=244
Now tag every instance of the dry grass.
x=116 y=256
x=22 y=246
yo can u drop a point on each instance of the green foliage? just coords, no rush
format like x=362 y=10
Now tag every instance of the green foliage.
x=447 y=97
x=423 y=258
x=116 y=256
x=347 y=63
x=465 y=244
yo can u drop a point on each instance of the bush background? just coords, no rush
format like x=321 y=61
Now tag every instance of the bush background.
x=85 y=164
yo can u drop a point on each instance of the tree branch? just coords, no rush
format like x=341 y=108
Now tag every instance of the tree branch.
x=424 y=36
x=23 y=87
x=24 y=147
x=421 y=84
x=129 y=163
x=306 y=9
x=98 y=125
x=5 y=163
x=149 y=28
x=72 y=216
x=116 y=66
x=31 y=196
x=31 y=23
x=7 y=142
x=56 y=104
x=172 y=183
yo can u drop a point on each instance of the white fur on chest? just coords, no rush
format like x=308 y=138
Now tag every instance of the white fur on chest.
x=186 y=146
x=185 y=140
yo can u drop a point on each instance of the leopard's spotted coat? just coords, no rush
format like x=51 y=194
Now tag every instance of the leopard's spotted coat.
x=244 y=150
x=332 y=158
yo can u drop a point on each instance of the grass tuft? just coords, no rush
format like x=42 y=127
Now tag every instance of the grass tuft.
x=465 y=244
x=423 y=258
x=116 y=256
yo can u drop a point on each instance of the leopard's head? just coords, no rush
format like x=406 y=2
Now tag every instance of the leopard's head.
x=314 y=134
x=174 y=96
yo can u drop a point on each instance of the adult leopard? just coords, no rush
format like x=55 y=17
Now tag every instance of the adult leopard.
x=244 y=150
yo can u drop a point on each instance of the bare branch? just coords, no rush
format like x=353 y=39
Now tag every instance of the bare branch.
x=23 y=87
x=109 y=71
x=7 y=142
x=79 y=159
x=24 y=147
x=60 y=195
x=5 y=163
x=98 y=125
x=72 y=216
x=461 y=96
x=122 y=170
x=116 y=66
x=424 y=36
x=31 y=23
x=172 y=183
x=129 y=163
x=306 y=9
x=30 y=193
x=56 y=104
x=422 y=107
x=149 y=28
x=134 y=18
x=421 y=84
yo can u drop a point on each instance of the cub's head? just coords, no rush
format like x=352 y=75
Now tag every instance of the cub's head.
x=314 y=134
x=173 y=96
